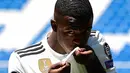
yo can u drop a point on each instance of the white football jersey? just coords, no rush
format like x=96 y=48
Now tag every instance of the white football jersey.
x=39 y=57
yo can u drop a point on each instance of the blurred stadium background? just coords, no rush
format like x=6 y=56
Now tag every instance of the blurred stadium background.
x=25 y=22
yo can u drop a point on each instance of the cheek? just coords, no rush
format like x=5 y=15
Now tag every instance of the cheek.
x=64 y=39
x=60 y=36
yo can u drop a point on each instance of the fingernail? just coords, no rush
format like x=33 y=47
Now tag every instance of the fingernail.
x=80 y=50
x=63 y=63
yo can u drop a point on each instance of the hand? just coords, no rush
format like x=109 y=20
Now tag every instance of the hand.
x=60 y=68
x=87 y=57
x=83 y=55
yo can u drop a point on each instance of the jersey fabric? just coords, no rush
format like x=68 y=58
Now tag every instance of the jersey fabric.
x=39 y=57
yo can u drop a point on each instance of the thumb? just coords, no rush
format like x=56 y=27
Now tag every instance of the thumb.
x=57 y=65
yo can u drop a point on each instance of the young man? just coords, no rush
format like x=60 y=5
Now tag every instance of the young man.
x=71 y=26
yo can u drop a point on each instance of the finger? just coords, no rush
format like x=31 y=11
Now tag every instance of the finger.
x=83 y=52
x=61 y=68
x=66 y=68
x=81 y=49
x=86 y=52
x=58 y=69
x=57 y=65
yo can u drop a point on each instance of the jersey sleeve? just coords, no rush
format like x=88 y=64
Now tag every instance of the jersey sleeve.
x=103 y=52
x=14 y=64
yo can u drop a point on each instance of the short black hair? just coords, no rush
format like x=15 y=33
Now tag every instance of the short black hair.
x=80 y=9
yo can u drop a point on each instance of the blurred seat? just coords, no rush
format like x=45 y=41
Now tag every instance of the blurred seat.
x=124 y=54
x=12 y=4
x=4 y=55
x=115 y=19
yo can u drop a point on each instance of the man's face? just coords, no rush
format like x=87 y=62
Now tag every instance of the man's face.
x=72 y=32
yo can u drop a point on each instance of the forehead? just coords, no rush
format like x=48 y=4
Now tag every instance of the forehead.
x=72 y=21
x=77 y=22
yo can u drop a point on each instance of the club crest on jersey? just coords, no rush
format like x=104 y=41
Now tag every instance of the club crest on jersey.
x=44 y=65
x=107 y=50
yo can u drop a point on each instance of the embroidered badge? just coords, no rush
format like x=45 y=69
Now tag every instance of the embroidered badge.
x=107 y=50
x=44 y=65
x=109 y=64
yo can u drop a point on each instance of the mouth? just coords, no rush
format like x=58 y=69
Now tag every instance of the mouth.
x=76 y=41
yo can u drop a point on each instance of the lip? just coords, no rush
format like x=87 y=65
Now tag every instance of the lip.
x=76 y=41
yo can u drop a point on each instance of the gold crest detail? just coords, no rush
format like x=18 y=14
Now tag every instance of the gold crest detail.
x=44 y=65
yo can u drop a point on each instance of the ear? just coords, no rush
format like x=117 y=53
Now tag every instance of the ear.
x=54 y=25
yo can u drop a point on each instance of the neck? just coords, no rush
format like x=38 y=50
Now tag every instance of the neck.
x=53 y=43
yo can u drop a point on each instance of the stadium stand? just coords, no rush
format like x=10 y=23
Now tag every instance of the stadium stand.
x=116 y=20
x=116 y=15
x=12 y=4
x=8 y=5
x=125 y=54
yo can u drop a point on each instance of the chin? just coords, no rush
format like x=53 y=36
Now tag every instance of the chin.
x=69 y=47
x=68 y=50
